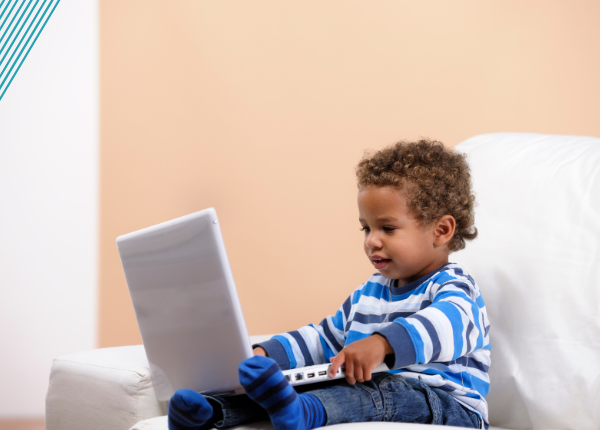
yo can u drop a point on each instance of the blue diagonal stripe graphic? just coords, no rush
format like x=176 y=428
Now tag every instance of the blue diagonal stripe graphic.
x=21 y=23
x=8 y=15
x=14 y=39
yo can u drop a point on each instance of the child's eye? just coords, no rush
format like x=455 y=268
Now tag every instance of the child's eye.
x=389 y=229
x=365 y=229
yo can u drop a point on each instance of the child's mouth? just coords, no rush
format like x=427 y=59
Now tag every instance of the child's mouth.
x=380 y=263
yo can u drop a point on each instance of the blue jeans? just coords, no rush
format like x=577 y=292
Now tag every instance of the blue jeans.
x=385 y=397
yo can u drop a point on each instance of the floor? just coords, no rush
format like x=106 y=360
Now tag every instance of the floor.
x=22 y=425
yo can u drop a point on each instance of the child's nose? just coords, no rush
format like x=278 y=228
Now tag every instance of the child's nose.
x=372 y=242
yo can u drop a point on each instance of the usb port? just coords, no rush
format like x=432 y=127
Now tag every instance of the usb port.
x=323 y=373
x=299 y=376
x=310 y=375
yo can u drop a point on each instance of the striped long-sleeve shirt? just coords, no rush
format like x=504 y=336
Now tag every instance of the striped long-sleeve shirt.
x=436 y=325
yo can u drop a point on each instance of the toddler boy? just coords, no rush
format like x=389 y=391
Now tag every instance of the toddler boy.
x=421 y=315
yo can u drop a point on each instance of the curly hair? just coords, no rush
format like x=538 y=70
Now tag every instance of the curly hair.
x=435 y=180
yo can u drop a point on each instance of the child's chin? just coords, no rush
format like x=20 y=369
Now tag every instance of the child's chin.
x=386 y=274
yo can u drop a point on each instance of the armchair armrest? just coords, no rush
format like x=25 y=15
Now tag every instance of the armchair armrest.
x=108 y=388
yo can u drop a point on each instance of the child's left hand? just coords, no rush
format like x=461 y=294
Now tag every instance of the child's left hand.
x=361 y=357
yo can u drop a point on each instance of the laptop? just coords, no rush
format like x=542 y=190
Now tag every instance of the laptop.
x=188 y=310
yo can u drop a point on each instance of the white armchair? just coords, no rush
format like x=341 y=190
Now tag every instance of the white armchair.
x=536 y=260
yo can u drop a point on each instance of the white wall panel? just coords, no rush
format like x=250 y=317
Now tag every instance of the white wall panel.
x=49 y=207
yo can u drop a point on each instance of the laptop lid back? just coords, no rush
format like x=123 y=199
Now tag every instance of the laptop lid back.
x=186 y=304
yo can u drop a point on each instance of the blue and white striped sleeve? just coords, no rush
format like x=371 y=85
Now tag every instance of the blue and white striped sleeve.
x=450 y=327
x=311 y=344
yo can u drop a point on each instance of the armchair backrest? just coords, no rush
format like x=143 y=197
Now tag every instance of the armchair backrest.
x=537 y=263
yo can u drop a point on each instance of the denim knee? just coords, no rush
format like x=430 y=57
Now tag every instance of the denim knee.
x=444 y=409
x=407 y=401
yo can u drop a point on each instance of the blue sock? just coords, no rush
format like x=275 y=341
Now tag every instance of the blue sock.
x=188 y=410
x=265 y=384
x=314 y=412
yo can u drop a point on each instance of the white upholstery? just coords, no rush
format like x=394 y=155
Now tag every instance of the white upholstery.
x=109 y=388
x=160 y=423
x=536 y=261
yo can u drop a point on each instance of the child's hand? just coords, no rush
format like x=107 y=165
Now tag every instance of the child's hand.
x=260 y=351
x=361 y=357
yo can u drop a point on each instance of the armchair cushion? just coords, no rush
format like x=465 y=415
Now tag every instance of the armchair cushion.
x=160 y=423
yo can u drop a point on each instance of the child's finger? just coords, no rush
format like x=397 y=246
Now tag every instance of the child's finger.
x=337 y=361
x=358 y=373
x=350 y=372
x=367 y=373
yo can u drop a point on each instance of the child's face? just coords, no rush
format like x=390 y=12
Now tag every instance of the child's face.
x=396 y=244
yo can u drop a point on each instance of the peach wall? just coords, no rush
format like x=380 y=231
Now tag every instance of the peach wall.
x=261 y=109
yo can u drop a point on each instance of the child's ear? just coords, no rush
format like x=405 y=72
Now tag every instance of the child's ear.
x=444 y=230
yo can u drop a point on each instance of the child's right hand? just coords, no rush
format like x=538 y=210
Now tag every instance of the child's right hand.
x=361 y=357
